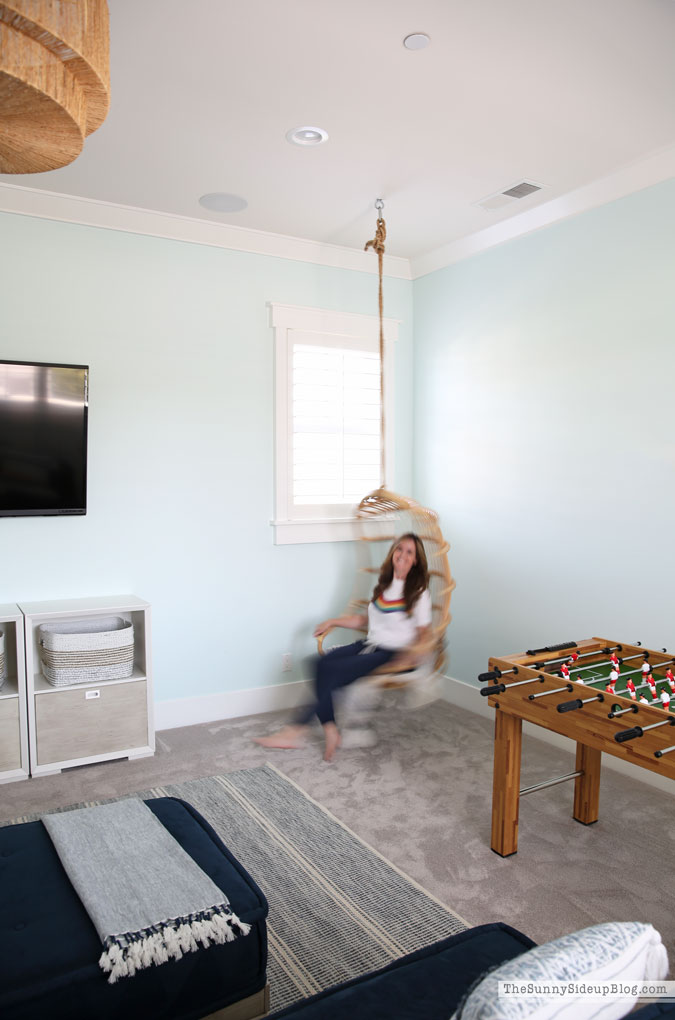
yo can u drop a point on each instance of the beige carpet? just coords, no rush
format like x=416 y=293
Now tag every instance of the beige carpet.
x=422 y=798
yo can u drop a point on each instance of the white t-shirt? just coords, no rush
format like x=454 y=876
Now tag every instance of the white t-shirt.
x=389 y=625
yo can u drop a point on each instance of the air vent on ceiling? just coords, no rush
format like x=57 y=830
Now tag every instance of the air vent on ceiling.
x=522 y=189
x=510 y=195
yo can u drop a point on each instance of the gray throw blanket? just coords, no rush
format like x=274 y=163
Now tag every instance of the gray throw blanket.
x=146 y=897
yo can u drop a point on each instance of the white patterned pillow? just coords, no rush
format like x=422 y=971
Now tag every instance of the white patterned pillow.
x=614 y=952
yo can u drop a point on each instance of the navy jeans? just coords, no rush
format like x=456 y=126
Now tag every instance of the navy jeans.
x=339 y=668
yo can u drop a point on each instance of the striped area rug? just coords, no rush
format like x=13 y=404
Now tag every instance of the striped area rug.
x=338 y=909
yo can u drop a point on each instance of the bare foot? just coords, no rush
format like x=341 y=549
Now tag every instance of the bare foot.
x=286 y=739
x=333 y=740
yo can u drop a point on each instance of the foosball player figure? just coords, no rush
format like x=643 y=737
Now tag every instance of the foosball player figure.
x=630 y=687
x=565 y=671
x=611 y=683
x=643 y=699
x=665 y=699
x=614 y=659
x=652 y=687
x=573 y=657
x=670 y=678
x=646 y=668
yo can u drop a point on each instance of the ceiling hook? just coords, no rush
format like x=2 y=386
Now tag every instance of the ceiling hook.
x=379 y=205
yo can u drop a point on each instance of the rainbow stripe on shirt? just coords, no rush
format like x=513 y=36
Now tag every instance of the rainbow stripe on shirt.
x=395 y=606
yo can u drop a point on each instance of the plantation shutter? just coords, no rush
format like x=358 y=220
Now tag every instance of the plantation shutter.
x=334 y=424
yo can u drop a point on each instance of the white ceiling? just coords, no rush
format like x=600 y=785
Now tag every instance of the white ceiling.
x=563 y=93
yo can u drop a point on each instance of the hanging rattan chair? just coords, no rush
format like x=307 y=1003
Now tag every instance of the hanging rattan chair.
x=383 y=516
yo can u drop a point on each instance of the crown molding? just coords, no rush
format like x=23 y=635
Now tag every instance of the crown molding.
x=658 y=167
x=49 y=205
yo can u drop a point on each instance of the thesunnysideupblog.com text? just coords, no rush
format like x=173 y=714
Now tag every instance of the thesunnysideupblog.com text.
x=663 y=990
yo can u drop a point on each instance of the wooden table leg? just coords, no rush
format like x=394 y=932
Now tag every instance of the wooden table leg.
x=587 y=787
x=506 y=783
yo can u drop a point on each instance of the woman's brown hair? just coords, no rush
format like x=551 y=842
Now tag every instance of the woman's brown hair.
x=417 y=580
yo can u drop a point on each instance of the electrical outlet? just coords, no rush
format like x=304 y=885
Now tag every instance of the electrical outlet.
x=286 y=662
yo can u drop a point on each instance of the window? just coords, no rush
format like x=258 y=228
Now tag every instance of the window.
x=328 y=431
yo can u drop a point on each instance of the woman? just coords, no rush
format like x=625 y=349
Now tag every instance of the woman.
x=398 y=618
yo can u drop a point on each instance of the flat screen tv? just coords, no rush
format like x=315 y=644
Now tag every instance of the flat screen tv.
x=43 y=439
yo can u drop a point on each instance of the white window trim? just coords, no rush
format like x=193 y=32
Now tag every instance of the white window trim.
x=289 y=530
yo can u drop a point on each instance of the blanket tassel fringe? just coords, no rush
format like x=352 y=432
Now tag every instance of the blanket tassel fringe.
x=125 y=954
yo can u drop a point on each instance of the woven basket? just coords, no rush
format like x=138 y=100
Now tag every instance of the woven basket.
x=90 y=649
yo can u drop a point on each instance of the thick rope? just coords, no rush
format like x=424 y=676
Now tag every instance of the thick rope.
x=377 y=244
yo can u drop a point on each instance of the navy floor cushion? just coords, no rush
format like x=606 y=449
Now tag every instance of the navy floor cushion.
x=426 y=985
x=49 y=948
x=429 y=984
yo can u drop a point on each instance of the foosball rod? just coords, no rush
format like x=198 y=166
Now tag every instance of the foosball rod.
x=581 y=655
x=659 y=680
x=497 y=674
x=639 y=731
x=634 y=705
x=570 y=706
x=557 y=690
x=618 y=710
x=630 y=672
x=645 y=655
x=500 y=688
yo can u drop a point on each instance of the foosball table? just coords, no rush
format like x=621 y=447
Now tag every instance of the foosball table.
x=606 y=695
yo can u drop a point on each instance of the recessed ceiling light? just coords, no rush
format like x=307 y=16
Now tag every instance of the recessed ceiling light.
x=416 y=41
x=220 y=201
x=307 y=136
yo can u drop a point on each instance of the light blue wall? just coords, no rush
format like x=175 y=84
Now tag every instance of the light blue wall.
x=543 y=434
x=180 y=442
x=545 y=431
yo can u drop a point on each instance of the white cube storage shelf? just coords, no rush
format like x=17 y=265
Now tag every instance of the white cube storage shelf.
x=95 y=720
x=14 y=762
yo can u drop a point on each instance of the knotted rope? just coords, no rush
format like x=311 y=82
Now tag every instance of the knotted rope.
x=377 y=244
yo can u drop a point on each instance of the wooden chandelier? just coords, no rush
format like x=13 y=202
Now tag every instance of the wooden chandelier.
x=54 y=81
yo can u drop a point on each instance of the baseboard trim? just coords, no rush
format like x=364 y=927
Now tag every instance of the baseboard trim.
x=205 y=708
x=468 y=697
x=208 y=708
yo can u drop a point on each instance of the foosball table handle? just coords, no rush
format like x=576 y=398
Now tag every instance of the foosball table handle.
x=494 y=674
x=623 y=735
x=569 y=706
x=552 y=648
x=495 y=689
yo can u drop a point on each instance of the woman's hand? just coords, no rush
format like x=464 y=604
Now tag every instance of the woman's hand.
x=323 y=628
x=358 y=621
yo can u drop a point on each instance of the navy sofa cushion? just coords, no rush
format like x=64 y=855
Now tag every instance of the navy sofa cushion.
x=425 y=985
x=49 y=948
x=429 y=984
